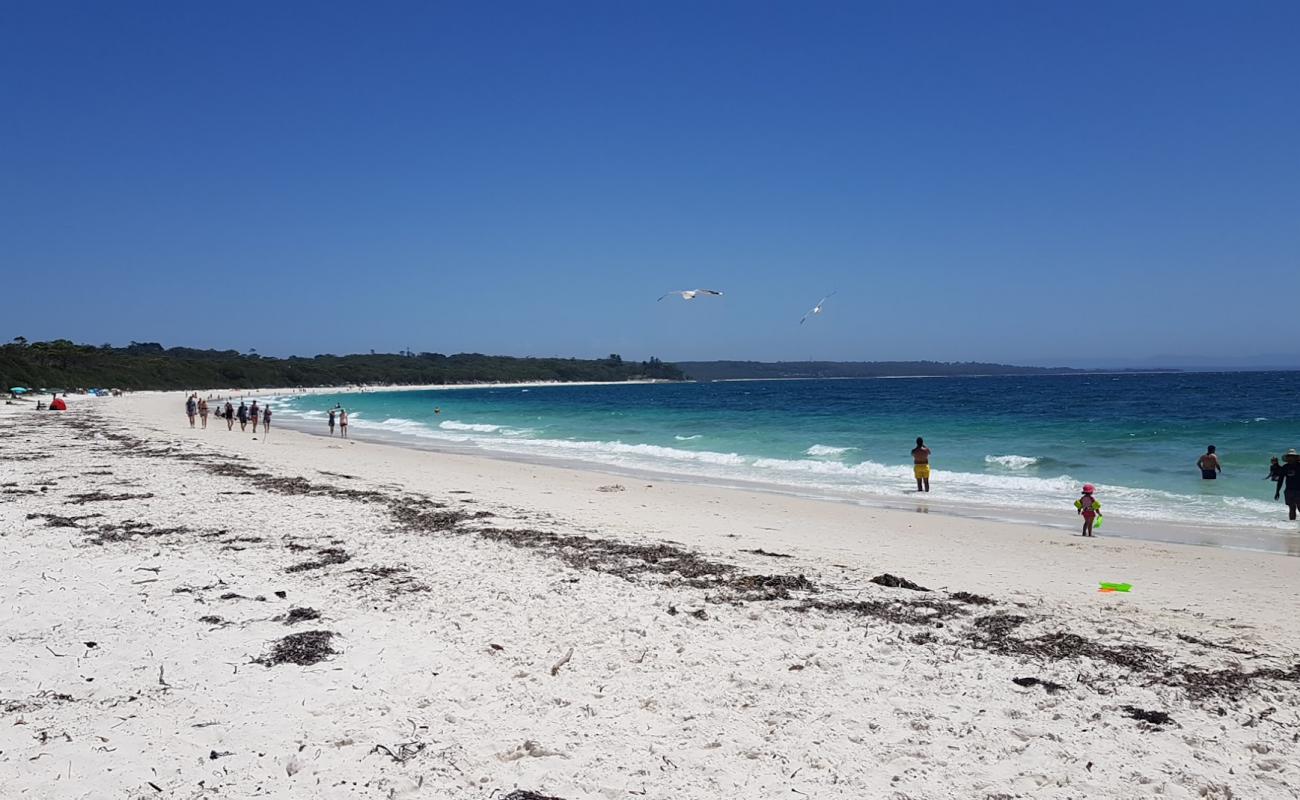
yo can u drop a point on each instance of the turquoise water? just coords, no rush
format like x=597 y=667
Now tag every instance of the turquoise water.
x=998 y=442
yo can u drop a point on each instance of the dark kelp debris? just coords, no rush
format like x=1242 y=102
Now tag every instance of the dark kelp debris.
x=895 y=582
x=300 y=614
x=303 y=649
x=59 y=521
x=973 y=599
x=1231 y=683
x=101 y=497
x=761 y=552
x=1051 y=686
x=328 y=556
x=524 y=794
x=903 y=612
x=1153 y=717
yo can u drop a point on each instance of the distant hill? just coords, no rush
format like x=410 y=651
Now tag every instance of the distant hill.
x=147 y=365
x=737 y=370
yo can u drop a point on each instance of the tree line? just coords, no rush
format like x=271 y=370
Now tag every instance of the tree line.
x=62 y=364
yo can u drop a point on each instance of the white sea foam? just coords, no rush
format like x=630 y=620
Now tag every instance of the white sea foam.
x=1012 y=461
x=477 y=427
x=827 y=451
x=688 y=438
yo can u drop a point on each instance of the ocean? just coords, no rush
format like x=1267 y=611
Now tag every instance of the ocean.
x=1000 y=443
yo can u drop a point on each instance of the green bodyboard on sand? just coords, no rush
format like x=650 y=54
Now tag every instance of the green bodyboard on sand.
x=1116 y=587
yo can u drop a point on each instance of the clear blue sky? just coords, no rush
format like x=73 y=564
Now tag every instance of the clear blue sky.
x=1013 y=181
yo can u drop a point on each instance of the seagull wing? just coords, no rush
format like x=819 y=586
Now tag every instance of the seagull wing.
x=708 y=291
x=667 y=295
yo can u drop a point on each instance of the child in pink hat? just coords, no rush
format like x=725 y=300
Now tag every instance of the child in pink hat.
x=1089 y=507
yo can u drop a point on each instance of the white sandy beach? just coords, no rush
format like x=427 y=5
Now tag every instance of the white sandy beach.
x=454 y=607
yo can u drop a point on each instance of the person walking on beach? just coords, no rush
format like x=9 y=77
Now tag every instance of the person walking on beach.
x=266 y=420
x=191 y=409
x=203 y=413
x=230 y=416
x=242 y=413
x=343 y=423
x=1288 y=481
x=921 y=465
x=254 y=414
x=331 y=422
x=1088 y=507
x=1209 y=464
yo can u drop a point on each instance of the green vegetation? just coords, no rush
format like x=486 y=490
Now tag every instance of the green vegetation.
x=733 y=370
x=146 y=365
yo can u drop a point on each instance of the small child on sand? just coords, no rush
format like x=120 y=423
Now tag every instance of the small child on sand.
x=1088 y=507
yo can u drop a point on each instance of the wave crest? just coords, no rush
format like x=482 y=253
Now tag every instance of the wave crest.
x=1011 y=461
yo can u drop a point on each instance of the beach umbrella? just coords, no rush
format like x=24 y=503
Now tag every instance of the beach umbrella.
x=18 y=390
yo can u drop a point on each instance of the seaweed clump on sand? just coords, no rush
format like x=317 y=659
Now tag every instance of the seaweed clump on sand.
x=328 y=557
x=1051 y=686
x=993 y=633
x=300 y=614
x=524 y=794
x=902 y=612
x=769 y=587
x=303 y=649
x=1152 y=717
x=1231 y=683
x=973 y=599
x=895 y=582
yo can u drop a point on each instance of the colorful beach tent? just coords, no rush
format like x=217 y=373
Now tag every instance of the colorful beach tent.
x=18 y=390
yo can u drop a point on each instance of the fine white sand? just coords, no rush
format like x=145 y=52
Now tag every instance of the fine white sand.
x=448 y=681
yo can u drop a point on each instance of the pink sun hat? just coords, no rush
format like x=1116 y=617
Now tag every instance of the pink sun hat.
x=1088 y=488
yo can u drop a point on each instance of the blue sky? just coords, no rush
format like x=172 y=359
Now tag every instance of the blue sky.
x=1027 y=182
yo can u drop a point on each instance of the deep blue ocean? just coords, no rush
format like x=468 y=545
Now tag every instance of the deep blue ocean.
x=998 y=442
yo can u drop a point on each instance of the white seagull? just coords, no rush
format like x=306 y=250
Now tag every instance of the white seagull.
x=817 y=309
x=689 y=294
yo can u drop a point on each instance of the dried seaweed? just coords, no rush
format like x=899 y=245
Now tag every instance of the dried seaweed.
x=1152 y=717
x=297 y=615
x=328 y=557
x=902 y=612
x=972 y=599
x=303 y=649
x=1051 y=686
x=58 y=521
x=761 y=552
x=101 y=497
x=895 y=582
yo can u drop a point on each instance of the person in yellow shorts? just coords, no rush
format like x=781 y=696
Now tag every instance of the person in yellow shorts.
x=921 y=465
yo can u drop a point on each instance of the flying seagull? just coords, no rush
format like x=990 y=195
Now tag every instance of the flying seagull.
x=689 y=294
x=817 y=309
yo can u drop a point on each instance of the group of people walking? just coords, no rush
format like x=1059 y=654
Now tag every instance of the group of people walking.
x=197 y=408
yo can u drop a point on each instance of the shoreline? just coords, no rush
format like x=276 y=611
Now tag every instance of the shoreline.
x=1281 y=539
x=497 y=626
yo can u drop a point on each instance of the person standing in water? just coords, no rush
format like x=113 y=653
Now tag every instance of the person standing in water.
x=343 y=423
x=1289 y=481
x=921 y=465
x=1209 y=464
